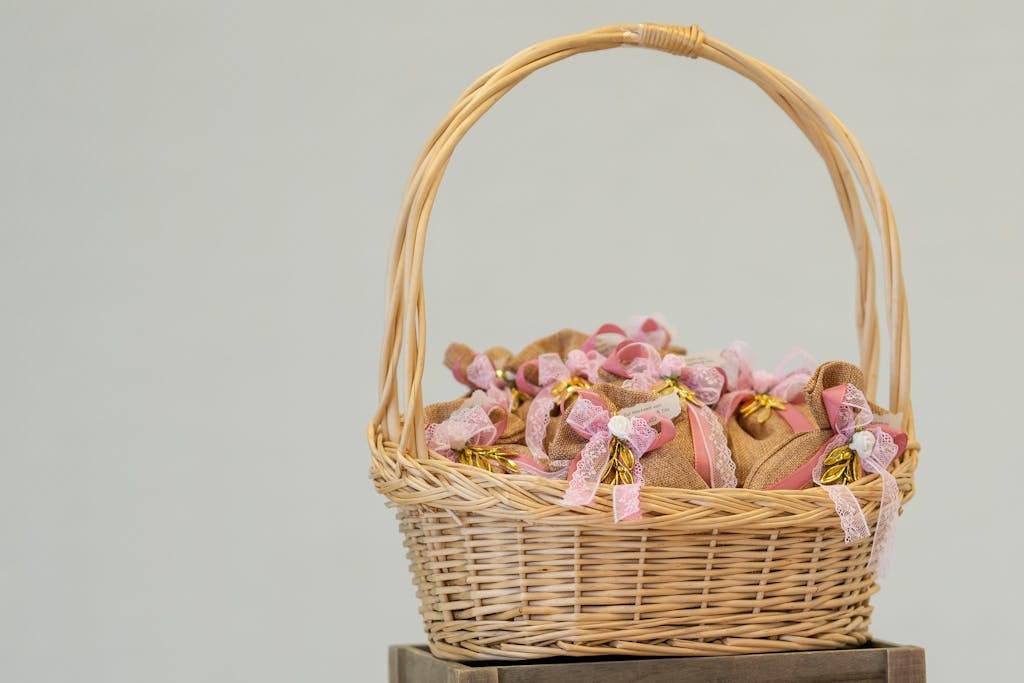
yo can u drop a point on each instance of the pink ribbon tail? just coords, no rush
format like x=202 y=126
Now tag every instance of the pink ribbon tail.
x=851 y=517
x=722 y=467
x=626 y=502
x=585 y=472
x=701 y=446
x=885 y=531
x=538 y=417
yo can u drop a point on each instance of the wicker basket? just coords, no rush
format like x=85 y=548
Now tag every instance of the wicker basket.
x=504 y=571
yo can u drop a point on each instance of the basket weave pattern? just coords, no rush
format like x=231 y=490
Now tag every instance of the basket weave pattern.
x=504 y=570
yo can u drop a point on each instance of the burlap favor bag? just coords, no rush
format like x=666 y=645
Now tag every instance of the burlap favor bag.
x=762 y=410
x=669 y=464
x=790 y=464
x=853 y=440
x=526 y=362
x=491 y=372
x=477 y=431
x=512 y=425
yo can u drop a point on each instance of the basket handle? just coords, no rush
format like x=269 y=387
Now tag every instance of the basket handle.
x=405 y=323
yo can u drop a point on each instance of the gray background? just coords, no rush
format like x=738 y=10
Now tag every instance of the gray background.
x=196 y=200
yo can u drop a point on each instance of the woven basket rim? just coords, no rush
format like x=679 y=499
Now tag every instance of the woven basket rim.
x=406 y=479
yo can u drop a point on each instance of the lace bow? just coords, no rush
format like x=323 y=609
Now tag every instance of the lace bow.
x=757 y=392
x=559 y=385
x=497 y=384
x=860 y=445
x=615 y=444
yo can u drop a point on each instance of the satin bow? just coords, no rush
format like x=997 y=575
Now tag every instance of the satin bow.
x=615 y=444
x=497 y=384
x=757 y=392
x=647 y=329
x=860 y=445
x=559 y=385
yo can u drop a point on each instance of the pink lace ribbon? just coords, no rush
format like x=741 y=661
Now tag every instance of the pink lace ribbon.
x=850 y=415
x=481 y=374
x=591 y=418
x=551 y=371
x=470 y=425
x=648 y=370
x=743 y=382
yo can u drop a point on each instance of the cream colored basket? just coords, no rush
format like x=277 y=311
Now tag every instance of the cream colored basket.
x=504 y=571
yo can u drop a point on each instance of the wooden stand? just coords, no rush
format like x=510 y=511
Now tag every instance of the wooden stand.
x=876 y=661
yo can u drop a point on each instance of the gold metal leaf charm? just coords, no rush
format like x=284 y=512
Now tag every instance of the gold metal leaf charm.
x=619 y=469
x=671 y=385
x=567 y=391
x=763 y=403
x=486 y=457
x=841 y=466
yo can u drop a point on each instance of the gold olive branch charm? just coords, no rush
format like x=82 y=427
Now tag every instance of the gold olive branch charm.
x=621 y=460
x=509 y=378
x=567 y=391
x=763 y=403
x=671 y=385
x=841 y=466
x=485 y=457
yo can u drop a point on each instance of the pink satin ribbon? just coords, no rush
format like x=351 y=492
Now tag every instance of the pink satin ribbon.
x=848 y=413
x=632 y=359
x=591 y=418
x=645 y=329
x=743 y=382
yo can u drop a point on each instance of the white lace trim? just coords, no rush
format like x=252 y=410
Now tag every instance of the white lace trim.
x=705 y=383
x=587 y=417
x=723 y=467
x=585 y=478
x=626 y=501
x=851 y=517
x=538 y=417
x=885 y=531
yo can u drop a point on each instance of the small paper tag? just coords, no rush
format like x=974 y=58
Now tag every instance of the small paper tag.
x=667 y=405
x=707 y=359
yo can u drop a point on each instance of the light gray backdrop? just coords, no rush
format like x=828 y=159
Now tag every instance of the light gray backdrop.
x=196 y=200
